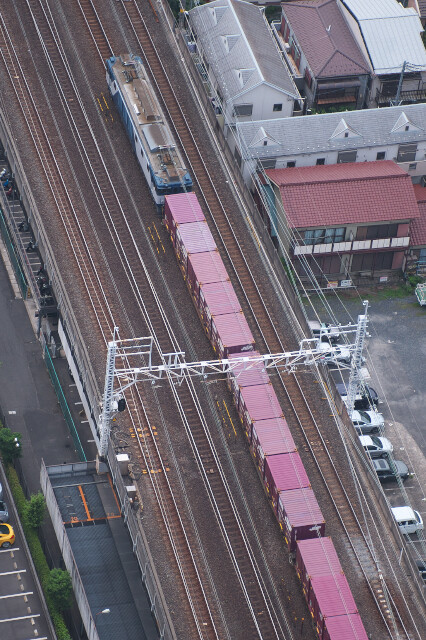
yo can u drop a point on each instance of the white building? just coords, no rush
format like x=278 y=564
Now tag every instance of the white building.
x=243 y=61
x=389 y=35
x=392 y=133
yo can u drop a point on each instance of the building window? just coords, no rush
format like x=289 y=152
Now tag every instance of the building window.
x=412 y=166
x=372 y=261
x=377 y=231
x=324 y=236
x=407 y=152
x=318 y=265
x=381 y=155
x=243 y=109
x=407 y=127
x=278 y=107
x=346 y=156
x=320 y=161
x=346 y=134
x=268 y=163
x=265 y=142
x=291 y=164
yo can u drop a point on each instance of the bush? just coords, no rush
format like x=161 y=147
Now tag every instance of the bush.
x=35 y=510
x=59 y=589
x=10 y=445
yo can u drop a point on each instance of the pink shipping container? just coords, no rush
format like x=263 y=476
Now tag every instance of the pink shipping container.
x=216 y=299
x=246 y=375
x=316 y=557
x=283 y=473
x=205 y=268
x=348 y=627
x=181 y=208
x=258 y=403
x=330 y=596
x=194 y=237
x=230 y=334
x=299 y=516
x=270 y=438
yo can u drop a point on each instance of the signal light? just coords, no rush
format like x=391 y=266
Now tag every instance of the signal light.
x=121 y=404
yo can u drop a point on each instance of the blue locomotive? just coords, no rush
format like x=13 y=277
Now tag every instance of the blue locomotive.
x=148 y=131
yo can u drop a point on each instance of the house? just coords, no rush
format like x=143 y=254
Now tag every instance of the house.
x=416 y=261
x=348 y=221
x=243 y=62
x=324 y=57
x=392 y=133
x=390 y=36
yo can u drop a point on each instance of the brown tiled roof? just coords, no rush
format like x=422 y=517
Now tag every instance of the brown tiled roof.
x=422 y=8
x=325 y=38
x=347 y=193
x=418 y=226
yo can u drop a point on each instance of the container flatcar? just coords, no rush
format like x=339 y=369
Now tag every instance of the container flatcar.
x=284 y=472
x=299 y=516
x=181 y=210
x=347 y=627
x=231 y=334
x=258 y=403
x=270 y=438
x=216 y=299
x=194 y=237
x=205 y=268
x=149 y=134
x=246 y=374
x=329 y=597
x=316 y=557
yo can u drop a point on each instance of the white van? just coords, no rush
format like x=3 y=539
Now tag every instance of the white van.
x=409 y=521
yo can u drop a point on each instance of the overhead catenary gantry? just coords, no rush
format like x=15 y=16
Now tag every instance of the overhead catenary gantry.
x=122 y=374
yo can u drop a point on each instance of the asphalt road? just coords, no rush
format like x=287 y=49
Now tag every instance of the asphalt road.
x=396 y=360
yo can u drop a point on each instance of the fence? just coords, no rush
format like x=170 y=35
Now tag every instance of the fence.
x=20 y=277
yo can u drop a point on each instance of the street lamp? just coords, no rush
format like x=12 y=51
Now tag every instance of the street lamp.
x=100 y=612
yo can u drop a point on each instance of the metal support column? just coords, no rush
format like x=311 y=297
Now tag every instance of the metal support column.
x=356 y=361
x=105 y=418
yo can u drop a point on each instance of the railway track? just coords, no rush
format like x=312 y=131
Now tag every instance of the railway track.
x=264 y=621
x=257 y=603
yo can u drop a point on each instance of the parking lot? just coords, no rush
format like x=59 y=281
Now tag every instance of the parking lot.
x=396 y=361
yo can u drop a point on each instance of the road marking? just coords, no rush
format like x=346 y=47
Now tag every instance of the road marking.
x=86 y=508
x=12 y=413
x=34 y=615
x=11 y=573
x=17 y=595
x=10 y=550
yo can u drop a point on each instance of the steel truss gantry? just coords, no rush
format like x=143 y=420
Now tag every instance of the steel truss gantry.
x=121 y=374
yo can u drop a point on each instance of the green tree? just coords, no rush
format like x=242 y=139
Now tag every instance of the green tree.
x=59 y=589
x=35 y=510
x=10 y=445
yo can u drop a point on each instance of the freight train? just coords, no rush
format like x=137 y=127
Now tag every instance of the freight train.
x=280 y=467
x=147 y=129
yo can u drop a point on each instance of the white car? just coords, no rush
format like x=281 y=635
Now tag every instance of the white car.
x=376 y=446
x=366 y=422
x=333 y=355
x=409 y=520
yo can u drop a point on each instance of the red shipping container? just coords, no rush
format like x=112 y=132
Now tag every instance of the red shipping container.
x=348 y=627
x=194 y=237
x=204 y=268
x=299 y=516
x=270 y=438
x=246 y=374
x=230 y=333
x=316 y=557
x=216 y=299
x=181 y=208
x=330 y=596
x=258 y=403
x=283 y=473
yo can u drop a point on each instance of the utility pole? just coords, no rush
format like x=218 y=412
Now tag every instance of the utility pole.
x=355 y=380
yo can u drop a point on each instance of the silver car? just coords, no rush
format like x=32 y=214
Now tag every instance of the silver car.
x=4 y=513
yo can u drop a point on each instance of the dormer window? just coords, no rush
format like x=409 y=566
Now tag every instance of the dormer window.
x=407 y=128
x=346 y=134
x=265 y=142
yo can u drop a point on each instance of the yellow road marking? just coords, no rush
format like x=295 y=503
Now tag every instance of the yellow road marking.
x=159 y=239
x=84 y=503
x=230 y=419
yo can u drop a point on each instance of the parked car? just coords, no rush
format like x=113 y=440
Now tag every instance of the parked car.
x=363 y=401
x=333 y=355
x=376 y=446
x=4 y=513
x=367 y=422
x=326 y=332
x=408 y=520
x=390 y=469
x=421 y=566
x=7 y=535
x=1 y=492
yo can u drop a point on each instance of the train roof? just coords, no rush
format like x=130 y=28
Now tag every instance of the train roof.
x=148 y=118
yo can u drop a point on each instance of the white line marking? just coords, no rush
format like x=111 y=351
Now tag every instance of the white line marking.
x=16 y=595
x=11 y=573
x=33 y=615
x=9 y=550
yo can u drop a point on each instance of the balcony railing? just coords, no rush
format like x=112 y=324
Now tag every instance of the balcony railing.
x=351 y=245
x=383 y=99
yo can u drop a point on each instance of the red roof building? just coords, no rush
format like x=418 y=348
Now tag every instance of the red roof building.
x=348 y=221
x=417 y=260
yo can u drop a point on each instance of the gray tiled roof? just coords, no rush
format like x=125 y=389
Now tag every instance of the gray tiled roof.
x=390 y=32
x=325 y=38
x=239 y=46
x=325 y=132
